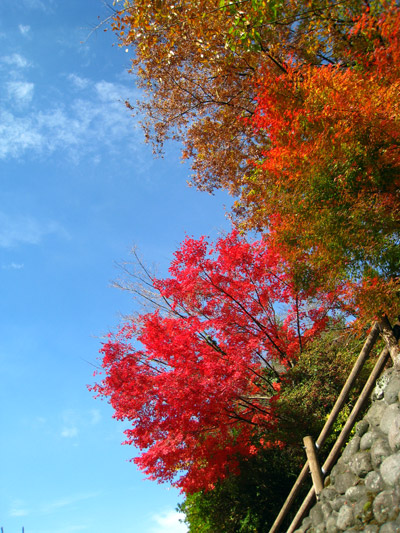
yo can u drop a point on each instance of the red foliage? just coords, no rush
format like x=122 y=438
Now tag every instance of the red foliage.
x=195 y=379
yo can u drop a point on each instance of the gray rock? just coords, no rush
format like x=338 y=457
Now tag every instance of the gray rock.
x=371 y=528
x=394 y=434
x=316 y=515
x=344 y=481
x=390 y=527
x=393 y=388
x=337 y=469
x=355 y=493
x=361 y=428
x=360 y=463
x=338 y=502
x=352 y=448
x=326 y=509
x=368 y=439
x=390 y=470
x=374 y=482
x=331 y=526
x=328 y=494
x=380 y=386
x=375 y=413
x=302 y=529
x=306 y=524
x=385 y=507
x=379 y=451
x=389 y=416
x=345 y=518
x=320 y=528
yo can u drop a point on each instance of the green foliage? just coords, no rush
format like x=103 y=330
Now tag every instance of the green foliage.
x=247 y=503
x=311 y=387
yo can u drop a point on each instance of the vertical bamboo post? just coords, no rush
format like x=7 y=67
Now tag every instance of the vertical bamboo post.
x=315 y=469
x=391 y=341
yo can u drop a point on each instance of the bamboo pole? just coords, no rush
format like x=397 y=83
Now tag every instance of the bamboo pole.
x=315 y=469
x=366 y=350
x=334 y=454
x=391 y=341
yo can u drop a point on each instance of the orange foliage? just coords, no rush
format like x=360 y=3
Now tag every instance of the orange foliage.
x=327 y=183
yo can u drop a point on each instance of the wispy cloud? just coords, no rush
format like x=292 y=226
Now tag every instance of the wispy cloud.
x=169 y=522
x=78 y=82
x=15 y=60
x=13 y=266
x=37 y=4
x=76 y=128
x=69 y=432
x=23 y=229
x=108 y=92
x=70 y=420
x=73 y=421
x=24 y=29
x=20 y=92
x=18 y=135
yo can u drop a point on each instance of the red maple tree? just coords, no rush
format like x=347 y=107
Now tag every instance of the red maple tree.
x=198 y=377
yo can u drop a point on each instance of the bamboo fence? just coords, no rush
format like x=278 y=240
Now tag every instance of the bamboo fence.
x=383 y=329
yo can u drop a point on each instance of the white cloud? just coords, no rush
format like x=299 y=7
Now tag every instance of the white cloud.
x=37 y=4
x=69 y=432
x=20 y=91
x=78 y=82
x=18 y=135
x=15 y=60
x=24 y=29
x=169 y=522
x=76 y=129
x=70 y=421
x=108 y=92
x=73 y=421
x=23 y=229
x=13 y=266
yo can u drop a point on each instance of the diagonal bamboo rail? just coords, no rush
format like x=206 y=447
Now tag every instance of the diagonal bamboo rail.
x=392 y=350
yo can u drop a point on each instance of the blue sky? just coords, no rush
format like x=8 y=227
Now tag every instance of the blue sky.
x=78 y=189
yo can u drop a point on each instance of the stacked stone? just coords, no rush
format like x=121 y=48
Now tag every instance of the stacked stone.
x=362 y=492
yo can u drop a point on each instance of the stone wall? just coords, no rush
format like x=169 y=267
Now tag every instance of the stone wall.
x=362 y=492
